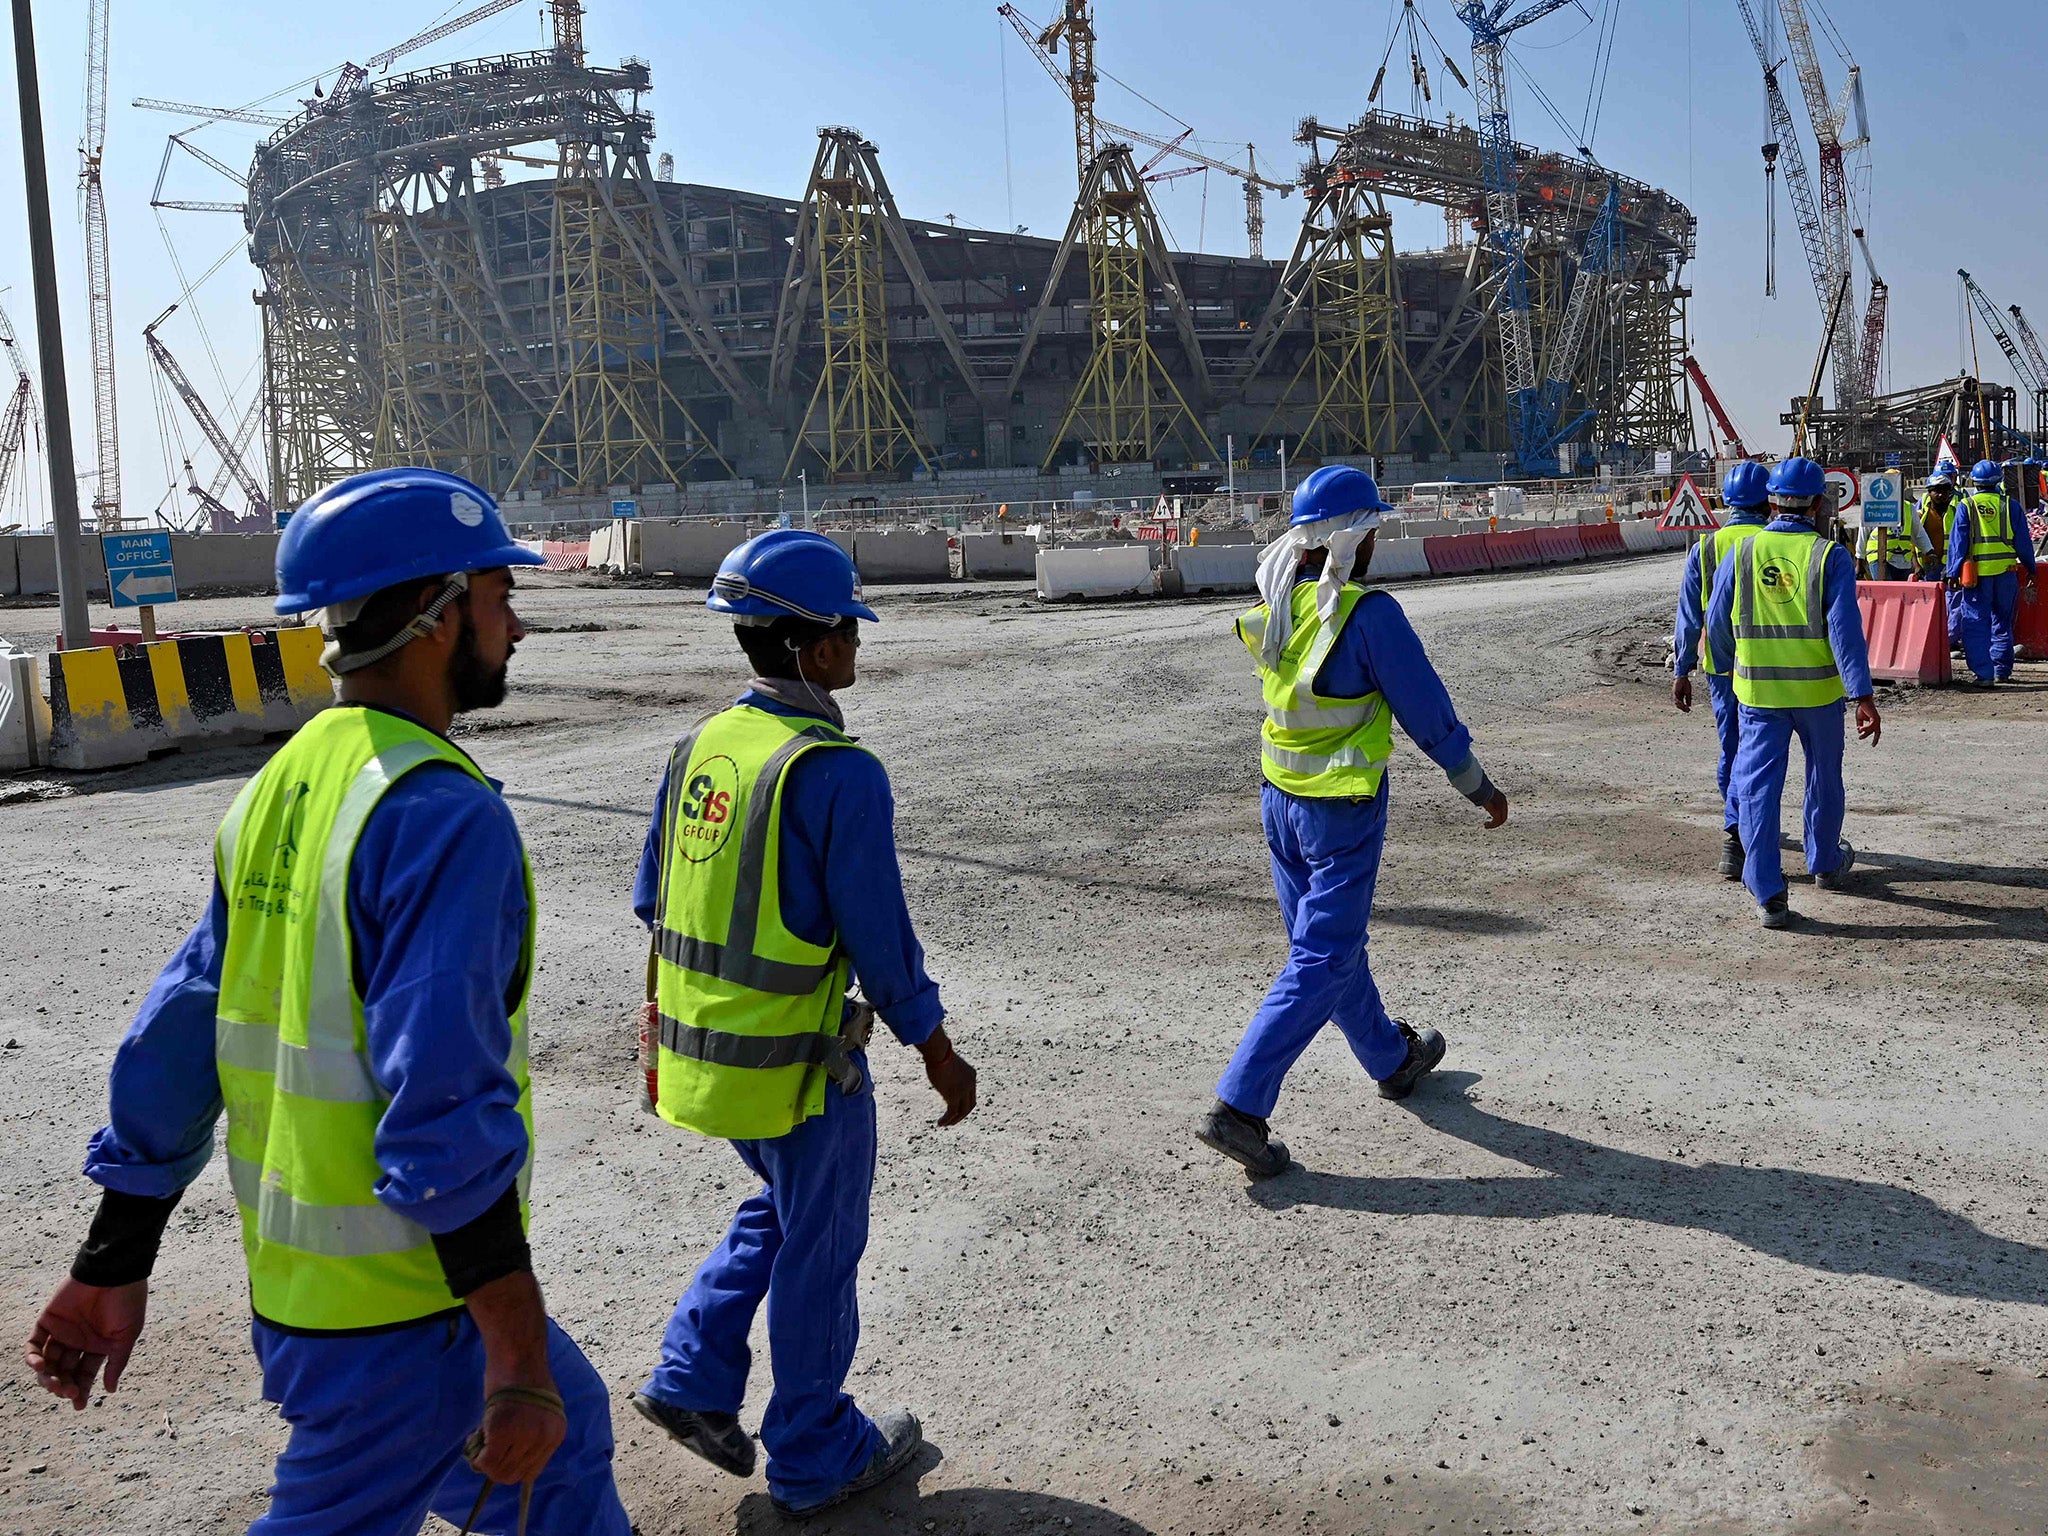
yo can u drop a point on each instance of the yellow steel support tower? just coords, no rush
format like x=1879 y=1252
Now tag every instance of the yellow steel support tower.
x=1354 y=363
x=858 y=421
x=433 y=407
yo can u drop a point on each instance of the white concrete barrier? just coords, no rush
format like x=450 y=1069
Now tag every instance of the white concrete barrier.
x=902 y=554
x=1641 y=536
x=985 y=555
x=1209 y=567
x=1397 y=561
x=24 y=717
x=10 y=569
x=1100 y=570
x=691 y=550
x=245 y=561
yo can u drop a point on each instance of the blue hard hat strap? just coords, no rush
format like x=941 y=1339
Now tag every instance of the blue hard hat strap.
x=424 y=623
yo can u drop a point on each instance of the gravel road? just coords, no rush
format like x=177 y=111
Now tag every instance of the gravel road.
x=1700 y=1229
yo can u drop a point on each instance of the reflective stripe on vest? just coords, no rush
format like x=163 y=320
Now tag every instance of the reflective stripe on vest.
x=747 y=1011
x=1790 y=663
x=1991 y=543
x=1714 y=549
x=1311 y=746
x=303 y=1105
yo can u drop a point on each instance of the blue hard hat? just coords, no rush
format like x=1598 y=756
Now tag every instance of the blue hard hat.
x=1984 y=472
x=1748 y=485
x=1944 y=474
x=1335 y=490
x=1798 y=479
x=377 y=530
x=787 y=572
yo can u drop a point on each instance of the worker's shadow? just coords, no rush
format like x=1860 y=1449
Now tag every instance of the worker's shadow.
x=900 y=1506
x=1825 y=1222
x=1891 y=878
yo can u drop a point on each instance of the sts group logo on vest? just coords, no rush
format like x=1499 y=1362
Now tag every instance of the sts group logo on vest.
x=706 y=809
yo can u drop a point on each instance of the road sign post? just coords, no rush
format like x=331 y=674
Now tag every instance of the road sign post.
x=1884 y=503
x=140 y=574
x=1687 y=511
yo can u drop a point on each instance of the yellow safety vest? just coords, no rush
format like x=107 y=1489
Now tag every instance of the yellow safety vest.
x=1714 y=549
x=1317 y=748
x=303 y=1106
x=1991 y=543
x=748 y=1011
x=1783 y=657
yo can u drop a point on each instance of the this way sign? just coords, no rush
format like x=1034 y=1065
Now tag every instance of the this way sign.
x=1883 y=501
x=139 y=570
x=1688 y=511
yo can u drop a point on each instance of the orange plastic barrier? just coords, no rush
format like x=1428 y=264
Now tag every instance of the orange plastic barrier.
x=1598 y=539
x=1457 y=554
x=1905 y=624
x=1557 y=545
x=1515 y=551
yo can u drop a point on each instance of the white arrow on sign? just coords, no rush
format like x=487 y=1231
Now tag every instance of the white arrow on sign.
x=138 y=588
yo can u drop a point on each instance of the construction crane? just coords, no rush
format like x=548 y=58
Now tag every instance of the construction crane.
x=353 y=75
x=1871 y=358
x=2031 y=345
x=1785 y=147
x=1732 y=437
x=21 y=419
x=222 y=444
x=1078 y=81
x=2033 y=379
x=1491 y=27
x=1851 y=388
x=99 y=294
x=212 y=114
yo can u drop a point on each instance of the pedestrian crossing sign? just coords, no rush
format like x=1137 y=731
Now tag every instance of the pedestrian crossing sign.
x=1688 y=511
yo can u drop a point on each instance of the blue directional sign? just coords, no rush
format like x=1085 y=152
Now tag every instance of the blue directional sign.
x=139 y=570
x=1883 y=501
x=625 y=506
x=1895 y=460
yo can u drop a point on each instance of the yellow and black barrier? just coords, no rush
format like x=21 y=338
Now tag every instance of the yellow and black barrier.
x=120 y=704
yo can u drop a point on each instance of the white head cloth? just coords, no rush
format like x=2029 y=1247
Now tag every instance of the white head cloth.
x=1341 y=536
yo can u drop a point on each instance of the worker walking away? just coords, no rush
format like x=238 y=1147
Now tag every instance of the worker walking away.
x=769 y=882
x=1747 y=494
x=1905 y=553
x=1338 y=665
x=356 y=996
x=1988 y=547
x=1783 y=615
x=1938 y=521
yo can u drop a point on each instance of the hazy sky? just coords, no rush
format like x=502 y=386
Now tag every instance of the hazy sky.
x=740 y=89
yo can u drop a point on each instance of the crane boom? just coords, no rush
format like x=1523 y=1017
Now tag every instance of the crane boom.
x=174 y=375
x=2021 y=364
x=1714 y=407
x=1874 y=319
x=99 y=293
x=1805 y=207
x=212 y=114
x=13 y=428
x=1834 y=191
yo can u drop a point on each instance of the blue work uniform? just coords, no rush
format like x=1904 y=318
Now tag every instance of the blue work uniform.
x=798 y=1242
x=1984 y=613
x=1326 y=862
x=1766 y=749
x=1685 y=643
x=437 y=918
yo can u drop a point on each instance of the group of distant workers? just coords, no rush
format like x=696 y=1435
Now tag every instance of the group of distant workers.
x=1767 y=610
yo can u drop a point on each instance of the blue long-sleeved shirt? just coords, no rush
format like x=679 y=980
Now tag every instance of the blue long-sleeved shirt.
x=1838 y=596
x=1960 y=537
x=1692 y=608
x=1379 y=652
x=839 y=876
x=437 y=918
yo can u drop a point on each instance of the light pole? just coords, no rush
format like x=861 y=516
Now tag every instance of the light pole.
x=50 y=342
x=1230 y=471
x=1283 y=471
x=803 y=481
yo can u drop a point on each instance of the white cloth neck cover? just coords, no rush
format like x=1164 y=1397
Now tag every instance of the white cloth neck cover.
x=1341 y=536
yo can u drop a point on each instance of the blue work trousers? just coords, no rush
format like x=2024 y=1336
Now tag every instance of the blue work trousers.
x=1759 y=786
x=378 y=1424
x=1954 y=597
x=797 y=1244
x=1985 y=622
x=1728 y=727
x=1326 y=861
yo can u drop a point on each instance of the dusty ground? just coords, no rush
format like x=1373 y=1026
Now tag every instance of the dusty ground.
x=1701 y=1229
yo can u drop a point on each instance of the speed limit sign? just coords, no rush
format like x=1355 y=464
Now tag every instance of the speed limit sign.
x=1847 y=489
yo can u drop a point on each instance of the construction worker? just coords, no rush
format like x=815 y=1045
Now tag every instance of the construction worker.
x=1986 y=547
x=1338 y=666
x=1745 y=489
x=1904 y=553
x=769 y=881
x=1937 y=513
x=1783 y=616
x=356 y=997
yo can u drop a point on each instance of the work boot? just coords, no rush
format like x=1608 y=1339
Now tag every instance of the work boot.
x=1243 y=1139
x=1777 y=912
x=1425 y=1049
x=717 y=1437
x=1731 y=855
x=1834 y=880
x=901 y=1436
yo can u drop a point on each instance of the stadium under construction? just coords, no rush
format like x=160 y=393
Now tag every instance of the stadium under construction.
x=597 y=325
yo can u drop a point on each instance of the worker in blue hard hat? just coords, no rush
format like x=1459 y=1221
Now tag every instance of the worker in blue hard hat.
x=1937 y=517
x=1991 y=562
x=1783 y=619
x=1746 y=491
x=1904 y=553
x=769 y=883
x=1338 y=665
x=356 y=996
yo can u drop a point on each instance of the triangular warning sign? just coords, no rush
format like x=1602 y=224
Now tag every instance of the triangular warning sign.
x=1946 y=454
x=1688 y=511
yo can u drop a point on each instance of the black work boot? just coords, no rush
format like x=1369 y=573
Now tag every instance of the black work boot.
x=1777 y=912
x=901 y=1437
x=717 y=1437
x=1425 y=1049
x=1731 y=855
x=1242 y=1139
